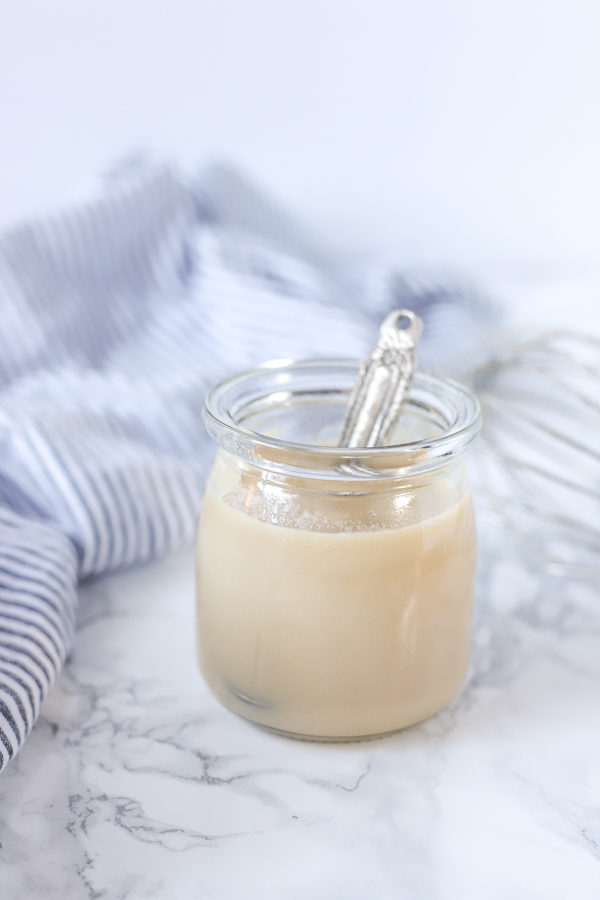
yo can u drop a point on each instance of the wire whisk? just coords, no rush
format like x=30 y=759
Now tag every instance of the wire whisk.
x=537 y=465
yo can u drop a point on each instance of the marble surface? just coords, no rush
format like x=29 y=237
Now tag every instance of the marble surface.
x=136 y=783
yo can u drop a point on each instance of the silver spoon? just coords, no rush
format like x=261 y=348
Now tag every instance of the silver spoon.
x=383 y=382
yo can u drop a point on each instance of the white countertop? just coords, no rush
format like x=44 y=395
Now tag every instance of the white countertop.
x=137 y=783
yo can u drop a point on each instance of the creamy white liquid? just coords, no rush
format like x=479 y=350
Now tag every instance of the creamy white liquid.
x=335 y=633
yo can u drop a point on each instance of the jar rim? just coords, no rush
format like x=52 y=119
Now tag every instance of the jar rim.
x=229 y=400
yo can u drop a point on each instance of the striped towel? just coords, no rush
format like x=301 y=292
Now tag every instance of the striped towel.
x=115 y=319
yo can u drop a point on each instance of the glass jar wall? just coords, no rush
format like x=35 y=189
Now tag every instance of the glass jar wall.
x=334 y=586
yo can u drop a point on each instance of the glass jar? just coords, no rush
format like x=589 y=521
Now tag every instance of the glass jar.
x=334 y=586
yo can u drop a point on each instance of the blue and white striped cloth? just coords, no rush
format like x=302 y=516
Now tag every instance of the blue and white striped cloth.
x=114 y=320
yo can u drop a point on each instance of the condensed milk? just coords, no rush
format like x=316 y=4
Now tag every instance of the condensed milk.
x=334 y=588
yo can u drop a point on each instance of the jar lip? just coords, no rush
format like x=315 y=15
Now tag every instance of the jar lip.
x=225 y=426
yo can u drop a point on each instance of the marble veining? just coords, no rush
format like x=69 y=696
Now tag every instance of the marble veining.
x=136 y=783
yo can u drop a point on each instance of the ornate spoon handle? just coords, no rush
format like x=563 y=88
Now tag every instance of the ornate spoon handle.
x=383 y=382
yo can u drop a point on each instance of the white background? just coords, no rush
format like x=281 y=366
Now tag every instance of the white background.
x=441 y=131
